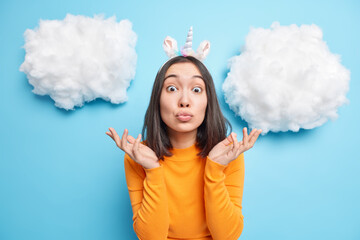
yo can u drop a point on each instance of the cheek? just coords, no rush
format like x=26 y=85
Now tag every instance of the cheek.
x=165 y=105
x=202 y=106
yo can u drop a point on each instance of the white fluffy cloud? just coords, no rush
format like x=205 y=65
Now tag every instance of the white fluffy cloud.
x=286 y=79
x=79 y=59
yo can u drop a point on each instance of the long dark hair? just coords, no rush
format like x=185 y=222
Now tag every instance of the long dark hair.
x=211 y=131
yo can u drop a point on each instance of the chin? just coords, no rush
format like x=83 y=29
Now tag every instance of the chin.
x=184 y=127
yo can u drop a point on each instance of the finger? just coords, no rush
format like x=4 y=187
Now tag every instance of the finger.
x=233 y=136
x=131 y=139
x=240 y=148
x=256 y=133
x=251 y=136
x=112 y=130
x=236 y=143
x=228 y=140
x=252 y=133
x=136 y=144
x=255 y=137
x=115 y=137
x=124 y=139
x=245 y=136
x=110 y=135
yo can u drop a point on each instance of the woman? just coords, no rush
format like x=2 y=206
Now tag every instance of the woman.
x=186 y=179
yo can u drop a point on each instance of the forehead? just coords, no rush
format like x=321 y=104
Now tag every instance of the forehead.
x=184 y=69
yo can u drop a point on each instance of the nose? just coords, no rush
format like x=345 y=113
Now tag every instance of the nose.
x=184 y=105
x=184 y=101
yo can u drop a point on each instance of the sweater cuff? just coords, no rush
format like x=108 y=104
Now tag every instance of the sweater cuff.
x=216 y=170
x=155 y=175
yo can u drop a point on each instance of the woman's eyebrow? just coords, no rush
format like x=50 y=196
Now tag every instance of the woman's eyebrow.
x=198 y=76
x=176 y=76
x=171 y=75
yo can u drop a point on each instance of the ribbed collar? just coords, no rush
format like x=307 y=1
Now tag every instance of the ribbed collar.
x=184 y=154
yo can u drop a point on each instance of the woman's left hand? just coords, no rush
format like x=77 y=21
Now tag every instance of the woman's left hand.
x=229 y=149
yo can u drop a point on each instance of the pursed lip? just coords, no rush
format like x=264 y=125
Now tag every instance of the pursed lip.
x=184 y=116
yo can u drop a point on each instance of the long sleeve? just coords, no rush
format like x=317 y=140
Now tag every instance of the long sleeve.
x=147 y=191
x=223 y=192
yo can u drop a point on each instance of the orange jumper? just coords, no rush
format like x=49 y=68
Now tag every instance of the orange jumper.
x=187 y=197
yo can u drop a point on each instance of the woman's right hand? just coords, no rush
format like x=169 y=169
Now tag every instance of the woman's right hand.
x=139 y=152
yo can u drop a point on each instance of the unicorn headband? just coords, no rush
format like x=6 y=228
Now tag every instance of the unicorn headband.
x=171 y=49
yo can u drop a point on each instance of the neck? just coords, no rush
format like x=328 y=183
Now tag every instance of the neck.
x=181 y=140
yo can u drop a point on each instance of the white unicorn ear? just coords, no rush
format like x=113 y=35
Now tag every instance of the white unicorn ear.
x=203 y=50
x=170 y=47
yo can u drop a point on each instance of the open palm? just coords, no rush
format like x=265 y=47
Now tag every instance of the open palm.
x=139 y=152
x=229 y=149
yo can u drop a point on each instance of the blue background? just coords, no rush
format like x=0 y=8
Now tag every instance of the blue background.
x=61 y=177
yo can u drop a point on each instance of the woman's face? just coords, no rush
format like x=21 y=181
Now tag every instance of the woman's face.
x=183 y=98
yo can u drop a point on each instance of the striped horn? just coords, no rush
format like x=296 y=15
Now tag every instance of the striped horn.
x=188 y=44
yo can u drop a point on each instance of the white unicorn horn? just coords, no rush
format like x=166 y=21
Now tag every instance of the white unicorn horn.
x=188 y=44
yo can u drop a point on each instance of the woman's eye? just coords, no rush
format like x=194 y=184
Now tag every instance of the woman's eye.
x=171 y=88
x=197 y=89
